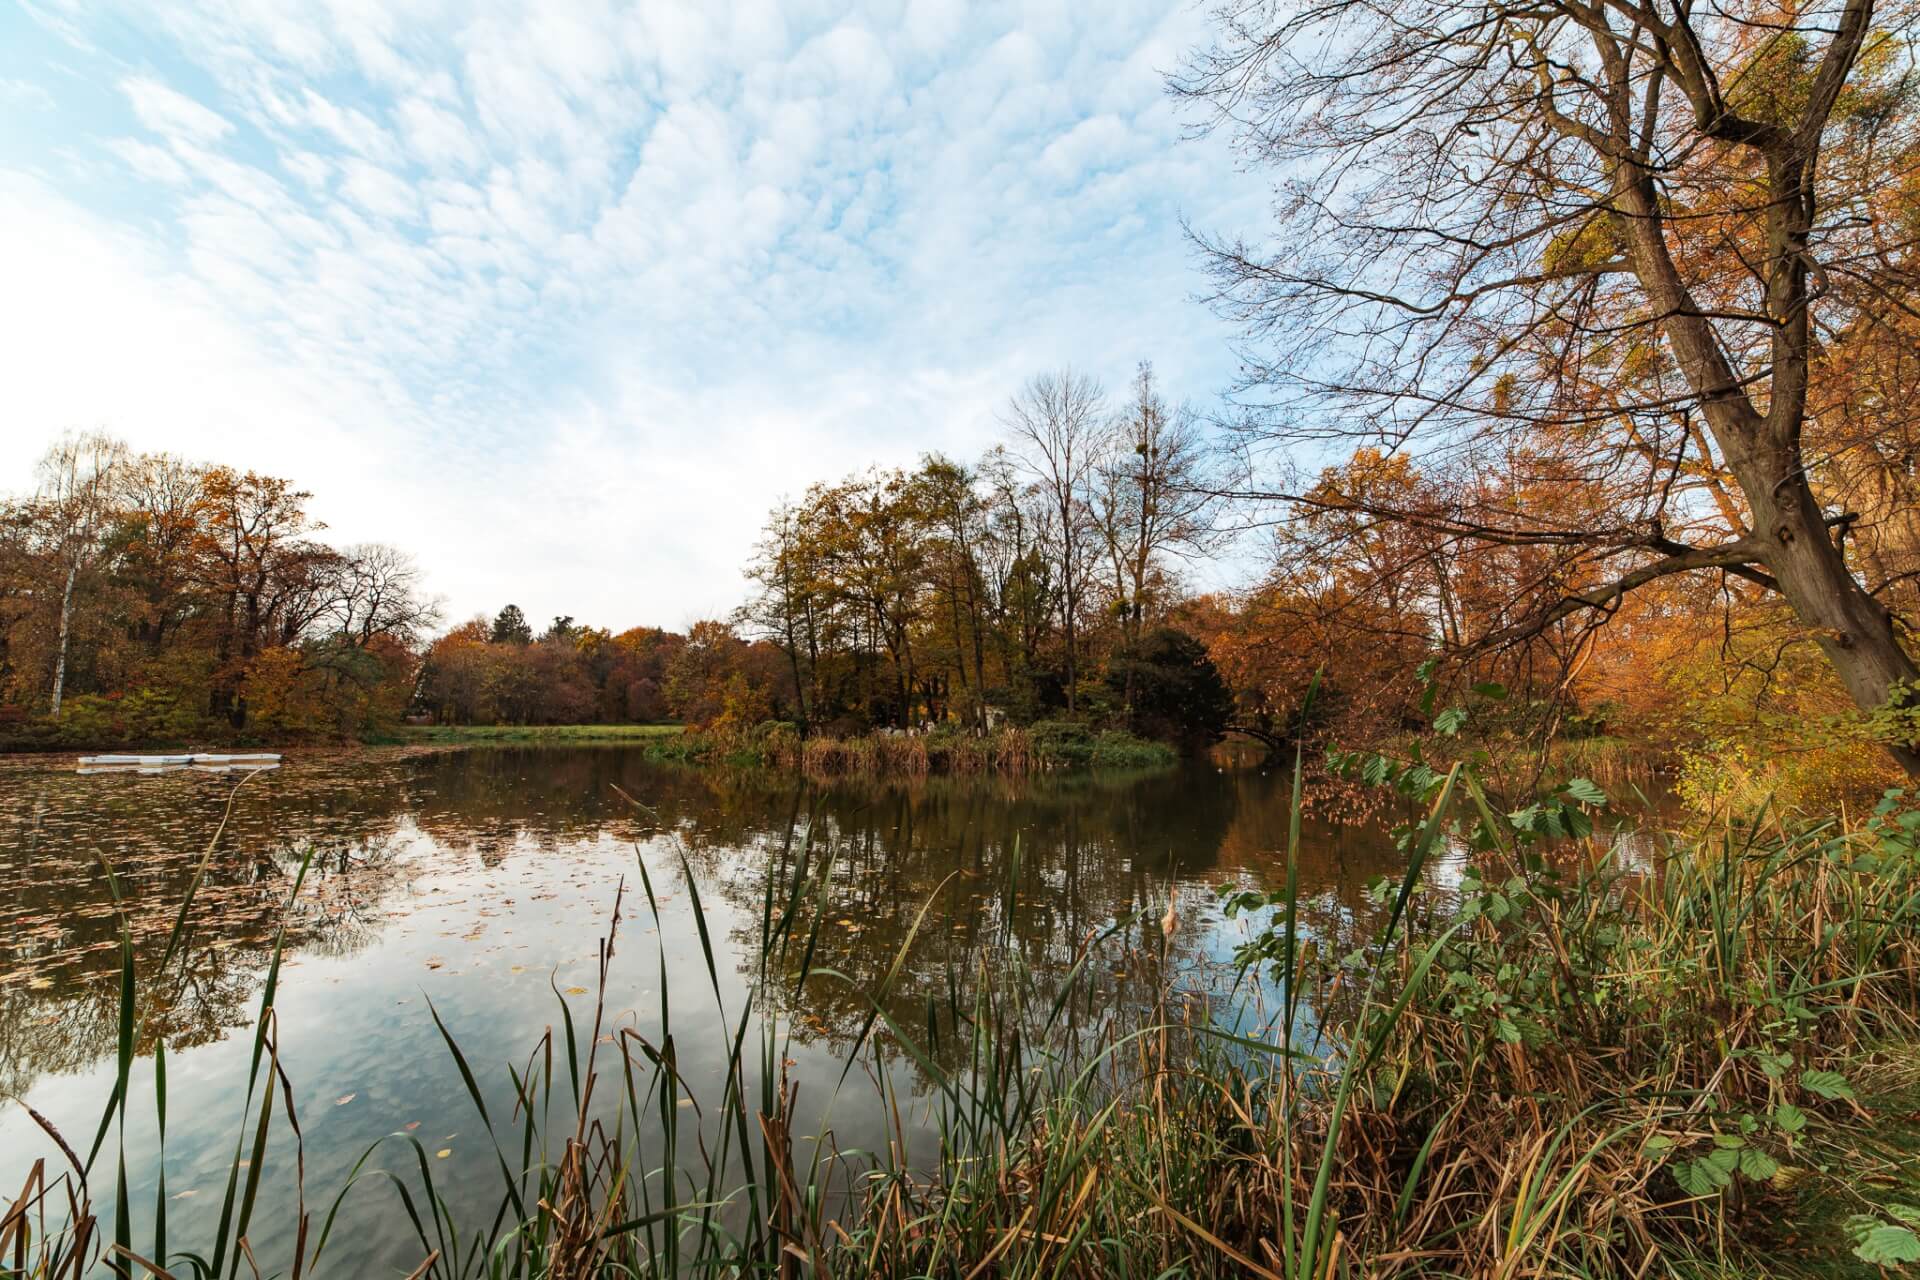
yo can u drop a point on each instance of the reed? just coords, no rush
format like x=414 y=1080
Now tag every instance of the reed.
x=1570 y=1071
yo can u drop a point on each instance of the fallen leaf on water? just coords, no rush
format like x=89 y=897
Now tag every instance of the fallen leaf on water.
x=184 y=1194
x=576 y=991
x=344 y=1099
x=412 y=1126
x=443 y=1153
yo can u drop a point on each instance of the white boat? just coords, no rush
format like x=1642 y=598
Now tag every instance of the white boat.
x=201 y=757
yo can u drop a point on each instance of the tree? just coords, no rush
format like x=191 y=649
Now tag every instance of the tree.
x=78 y=477
x=786 y=605
x=1056 y=422
x=1178 y=695
x=266 y=580
x=510 y=626
x=381 y=594
x=1153 y=498
x=1602 y=242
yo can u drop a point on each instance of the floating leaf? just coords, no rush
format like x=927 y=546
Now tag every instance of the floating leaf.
x=443 y=1153
x=344 y=1099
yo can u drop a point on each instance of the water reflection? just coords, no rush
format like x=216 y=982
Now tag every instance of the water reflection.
x=482 y=879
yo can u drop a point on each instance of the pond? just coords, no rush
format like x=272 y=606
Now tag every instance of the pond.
x=482 y=881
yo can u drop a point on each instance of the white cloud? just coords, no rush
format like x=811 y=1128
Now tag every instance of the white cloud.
x=377 y=191
x=173 y=115
x=25 y=94
x=564 y=296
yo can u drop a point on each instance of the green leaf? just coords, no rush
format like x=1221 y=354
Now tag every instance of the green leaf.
x=1450 y=721
x=1888 y=1246
x=1701 y=1177
x=1788 y=1118
x=1758 y=1165
x=1827 y=1084
x=1492 y=689
x=1905 y=1213
x=1586 y=792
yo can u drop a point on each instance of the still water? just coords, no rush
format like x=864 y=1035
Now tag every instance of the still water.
x=482 y=881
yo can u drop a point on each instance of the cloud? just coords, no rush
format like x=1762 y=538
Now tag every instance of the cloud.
x=564 y=296
x=173 y=115
x=25 y=94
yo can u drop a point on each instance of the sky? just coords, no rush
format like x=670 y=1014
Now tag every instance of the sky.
x=562 y=297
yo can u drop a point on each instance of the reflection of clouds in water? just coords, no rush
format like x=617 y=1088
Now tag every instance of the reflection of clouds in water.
x=1448 y=864
x=1636 y=852
x=476 y=875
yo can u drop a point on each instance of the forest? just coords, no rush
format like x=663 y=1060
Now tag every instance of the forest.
x=147 y=599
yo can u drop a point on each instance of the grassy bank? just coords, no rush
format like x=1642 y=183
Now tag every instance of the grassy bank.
x=1564 y=1071
x=554 y=734
x=1049 y=745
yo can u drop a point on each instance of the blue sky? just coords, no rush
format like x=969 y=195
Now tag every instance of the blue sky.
x=561 y=297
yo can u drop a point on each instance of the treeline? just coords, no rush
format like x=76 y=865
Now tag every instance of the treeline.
x=1040 y=581
x=147 y=598
x=1034 y=584
x=499 y=672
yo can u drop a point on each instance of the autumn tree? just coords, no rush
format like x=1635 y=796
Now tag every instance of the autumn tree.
x=172 y=598
x=1607 y=245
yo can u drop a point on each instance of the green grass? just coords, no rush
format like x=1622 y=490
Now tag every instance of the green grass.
x=559 y=734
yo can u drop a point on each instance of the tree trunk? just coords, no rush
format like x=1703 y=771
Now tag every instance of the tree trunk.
x=1853 y=630
x=66 y=622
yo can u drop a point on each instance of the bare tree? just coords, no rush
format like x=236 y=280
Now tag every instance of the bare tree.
x=380 y=593
x=1612 y=241
x=1154 y=498
x=1057 y=421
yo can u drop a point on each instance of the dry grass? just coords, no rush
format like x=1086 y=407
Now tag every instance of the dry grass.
x=1588 y=1075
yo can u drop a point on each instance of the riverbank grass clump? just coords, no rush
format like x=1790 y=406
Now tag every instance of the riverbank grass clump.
x=949 y=750
x=455 y=735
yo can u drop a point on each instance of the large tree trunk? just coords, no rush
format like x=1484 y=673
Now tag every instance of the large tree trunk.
x=1854 y=630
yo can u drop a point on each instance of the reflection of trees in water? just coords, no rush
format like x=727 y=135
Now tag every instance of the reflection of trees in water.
x=1013 y=879
x=60 y=929
x=1020 y=872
